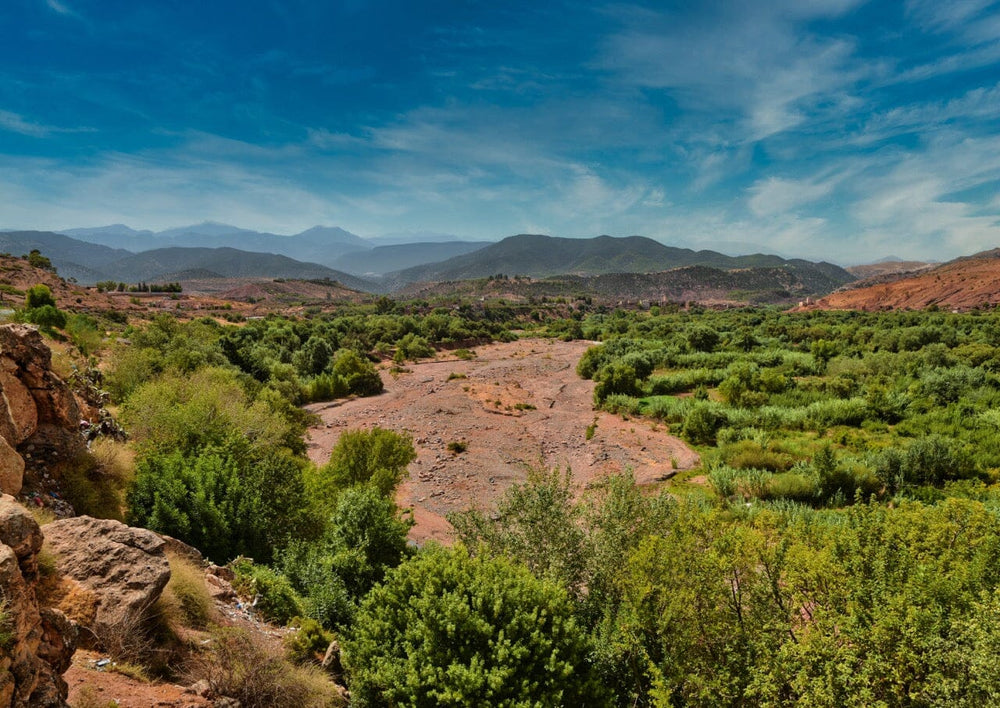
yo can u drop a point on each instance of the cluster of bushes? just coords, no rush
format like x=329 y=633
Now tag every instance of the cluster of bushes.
x=872 y=389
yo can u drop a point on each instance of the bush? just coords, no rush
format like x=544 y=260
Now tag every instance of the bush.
x=224 y=501
x=359 y=374
x=446 y=628
x=308 y=643
x=187 y=593
x=46 y=317
x=269 y=590
x=365 y=537
x=702 y=423
x=39 y=296
x=240 y=666
x=377 y=456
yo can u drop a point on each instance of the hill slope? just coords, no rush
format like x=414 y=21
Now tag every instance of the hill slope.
x=72 y=258
x=541 y=256
x=960 y=284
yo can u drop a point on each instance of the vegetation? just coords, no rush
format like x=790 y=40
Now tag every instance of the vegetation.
x=450 y=629
x=843 y=550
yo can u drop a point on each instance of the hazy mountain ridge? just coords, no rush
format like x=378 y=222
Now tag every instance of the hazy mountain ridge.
x=89 y=263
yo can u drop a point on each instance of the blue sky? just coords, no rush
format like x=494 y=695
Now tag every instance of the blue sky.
x=834 y=128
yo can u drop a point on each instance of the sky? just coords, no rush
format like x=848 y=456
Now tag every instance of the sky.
x=834 y=129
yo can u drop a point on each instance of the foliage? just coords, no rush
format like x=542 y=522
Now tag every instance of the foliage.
x=225 y=500
x=364 y=538
x=378 y=457
x=308 y=642
x=450 y=629
x=269 y=591
x=39 y=296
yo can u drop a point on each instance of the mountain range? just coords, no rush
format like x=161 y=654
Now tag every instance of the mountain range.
x=330 y=246
x=539 y=256
x=389 y=268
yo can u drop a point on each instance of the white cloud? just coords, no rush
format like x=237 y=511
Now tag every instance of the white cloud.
x=753 y=59
x=774 y=195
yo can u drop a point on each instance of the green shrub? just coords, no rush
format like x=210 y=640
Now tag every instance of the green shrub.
x=747 y=454
x=39 y=296
x=377 y=456
x=46 y=317
x=448 y=628
x=270 y=592
x=308 y=643
x=702 y=423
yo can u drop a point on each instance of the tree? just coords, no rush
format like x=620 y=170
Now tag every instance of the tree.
x=536 y=523
x=447 y=629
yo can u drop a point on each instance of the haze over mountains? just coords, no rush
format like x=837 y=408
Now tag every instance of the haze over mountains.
x=212 y=250
x=325 y=245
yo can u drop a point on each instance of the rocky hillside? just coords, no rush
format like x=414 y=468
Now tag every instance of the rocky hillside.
x=39 y=416
x=961 y=284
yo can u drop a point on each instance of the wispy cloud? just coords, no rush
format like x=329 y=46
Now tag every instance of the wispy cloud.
x=61 y=7
x=753 y=60
x=16 y=123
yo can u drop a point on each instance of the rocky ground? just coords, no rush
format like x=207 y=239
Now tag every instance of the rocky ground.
x=515 y=405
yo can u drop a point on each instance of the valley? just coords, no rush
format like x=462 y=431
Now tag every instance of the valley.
x=514 y=405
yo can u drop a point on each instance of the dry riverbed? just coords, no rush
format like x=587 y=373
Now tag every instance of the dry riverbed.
x=514 y=406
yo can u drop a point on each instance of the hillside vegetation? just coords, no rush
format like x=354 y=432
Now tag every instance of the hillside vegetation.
x=540 y=256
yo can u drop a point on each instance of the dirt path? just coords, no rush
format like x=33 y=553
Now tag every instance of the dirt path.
x=515 y=405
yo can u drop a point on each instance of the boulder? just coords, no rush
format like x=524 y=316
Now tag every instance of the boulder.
x=20 y=532
x=27 y=358
x=124 y=567
x=219 y=588
x=38 y=643
x=20 y=405
x=11 y=469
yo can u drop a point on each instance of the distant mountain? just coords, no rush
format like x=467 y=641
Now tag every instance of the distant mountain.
x=113 y=236
x=166 y=264
x=784 y=285
x=320 y=244
x=541 y=256
x=89 y=262
x=400 y=237
x=884 y=268
x=386 y=259
x=331 y=234
x=72 y=258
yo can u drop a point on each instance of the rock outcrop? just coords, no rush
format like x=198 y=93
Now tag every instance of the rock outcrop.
x=123 y=568
x=38 y=412
x=36 y=643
